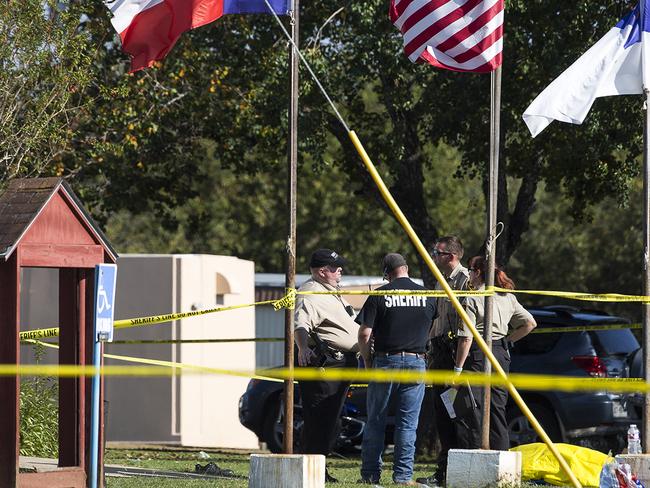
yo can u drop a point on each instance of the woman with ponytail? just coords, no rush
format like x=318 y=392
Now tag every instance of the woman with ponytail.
x=510 y=322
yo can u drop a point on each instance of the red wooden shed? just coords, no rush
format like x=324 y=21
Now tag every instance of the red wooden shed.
x=43 y=224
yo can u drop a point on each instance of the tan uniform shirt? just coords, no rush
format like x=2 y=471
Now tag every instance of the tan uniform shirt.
x=447 y=318
x=508 y=314
x=326 y=316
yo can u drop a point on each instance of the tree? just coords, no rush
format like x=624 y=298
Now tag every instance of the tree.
x=227 y=83
x=245 y=216
x=585 y=163
x=44 y=62
x=420 y=105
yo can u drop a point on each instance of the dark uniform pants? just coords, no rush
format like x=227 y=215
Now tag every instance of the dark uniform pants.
x=441 y=357
x=469 y=427
x=322 y=402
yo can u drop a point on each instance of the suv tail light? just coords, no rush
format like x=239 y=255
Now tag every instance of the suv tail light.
x=592 y=365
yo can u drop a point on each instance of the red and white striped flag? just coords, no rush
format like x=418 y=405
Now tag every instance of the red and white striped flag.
x=461 y=35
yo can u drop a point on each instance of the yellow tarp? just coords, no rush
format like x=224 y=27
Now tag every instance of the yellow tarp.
x=538 y=463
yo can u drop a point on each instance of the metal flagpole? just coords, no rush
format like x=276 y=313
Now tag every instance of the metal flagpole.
x=645 y=428
x=646 y=267
x=490 y=246
x=290 y=279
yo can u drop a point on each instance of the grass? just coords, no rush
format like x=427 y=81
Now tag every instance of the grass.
x=345 y=469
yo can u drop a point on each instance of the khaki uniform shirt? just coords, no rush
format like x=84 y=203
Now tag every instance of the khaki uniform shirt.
x=508 y=314
x=327 y=317
x=447 y=319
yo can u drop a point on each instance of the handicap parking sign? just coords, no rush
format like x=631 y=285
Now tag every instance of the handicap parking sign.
x=105 y=281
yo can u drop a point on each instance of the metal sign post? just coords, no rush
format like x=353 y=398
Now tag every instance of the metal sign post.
x=104 y=302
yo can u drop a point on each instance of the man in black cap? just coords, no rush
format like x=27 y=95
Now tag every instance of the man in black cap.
x=399 y=327
x=326 y=336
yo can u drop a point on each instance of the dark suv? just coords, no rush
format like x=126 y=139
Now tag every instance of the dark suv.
x=261 y=409
x=592 y=419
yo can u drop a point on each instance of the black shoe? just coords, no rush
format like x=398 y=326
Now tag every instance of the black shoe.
x=369 y=481
x=432 y=481
x=329 y=478
x=213 y=470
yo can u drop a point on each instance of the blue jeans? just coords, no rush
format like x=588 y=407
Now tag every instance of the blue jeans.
x=409 y=401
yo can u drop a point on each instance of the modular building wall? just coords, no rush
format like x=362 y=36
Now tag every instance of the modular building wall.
x=270 y=323
x=190 y=410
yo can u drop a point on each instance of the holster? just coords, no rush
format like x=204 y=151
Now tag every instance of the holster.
x=440 y=350
x=324 y=352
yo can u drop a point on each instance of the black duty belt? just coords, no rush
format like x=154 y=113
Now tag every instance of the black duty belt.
x=399 y=353
x=502 y=342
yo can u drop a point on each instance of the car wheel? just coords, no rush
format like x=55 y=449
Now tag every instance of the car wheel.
x=273 y=429
x=522 y=432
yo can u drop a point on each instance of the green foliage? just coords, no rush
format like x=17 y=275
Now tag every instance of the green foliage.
x=245 y=215
x=603 y=256
x=44 y=62
x=190 y=155
x=142 y=144
x=39 y=419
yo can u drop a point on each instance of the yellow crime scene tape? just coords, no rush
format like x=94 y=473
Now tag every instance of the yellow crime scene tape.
x=571 y=295
x=168 y=368
x=288 y=301
x=157 y=367
x=199 y=341
x=537 y=330
x=426 y=293
x=583 y=328
x=588 y=297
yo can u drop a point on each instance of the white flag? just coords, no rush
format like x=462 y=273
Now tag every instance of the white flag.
x=612 y=66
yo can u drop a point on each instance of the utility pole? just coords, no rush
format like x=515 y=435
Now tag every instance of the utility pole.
x=290 y=280
x=490 y=246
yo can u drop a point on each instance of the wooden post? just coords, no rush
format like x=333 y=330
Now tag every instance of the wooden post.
x=290 y=280
x=70 y=421
x=9 y=385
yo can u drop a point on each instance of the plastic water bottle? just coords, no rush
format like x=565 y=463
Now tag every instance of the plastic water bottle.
x=633 y=440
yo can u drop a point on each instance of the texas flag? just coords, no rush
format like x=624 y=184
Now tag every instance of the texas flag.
x=150 y=28
x=615 y=65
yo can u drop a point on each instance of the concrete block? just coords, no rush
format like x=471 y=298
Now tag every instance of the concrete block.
x=473 y=468
x=640 y=464
x=287 y=471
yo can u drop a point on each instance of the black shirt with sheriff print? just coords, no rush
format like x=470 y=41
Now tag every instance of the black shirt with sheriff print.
x=399 y=322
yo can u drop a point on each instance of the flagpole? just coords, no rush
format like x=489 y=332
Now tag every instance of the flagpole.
x=290 y=278
x=645 y=428
x=490 y=245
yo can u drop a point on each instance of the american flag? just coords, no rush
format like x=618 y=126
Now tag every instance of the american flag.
x=461 y=35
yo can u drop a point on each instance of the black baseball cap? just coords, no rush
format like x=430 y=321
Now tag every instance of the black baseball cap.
x=326 y=257
x=392 y=261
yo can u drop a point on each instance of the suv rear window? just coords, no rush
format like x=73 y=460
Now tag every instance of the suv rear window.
x=537 y=343
x=616 y=341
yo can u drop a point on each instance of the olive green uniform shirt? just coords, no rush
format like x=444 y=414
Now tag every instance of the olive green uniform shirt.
x=448 y=319
x=326 y=316
x=508 y=315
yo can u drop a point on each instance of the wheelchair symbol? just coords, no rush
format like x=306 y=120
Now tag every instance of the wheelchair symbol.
x=102 y=300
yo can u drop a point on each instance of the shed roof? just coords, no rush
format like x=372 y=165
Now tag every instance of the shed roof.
x=23 y=201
